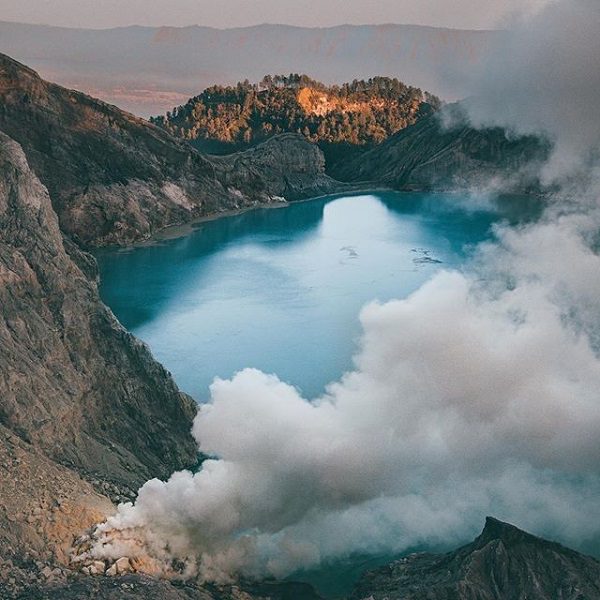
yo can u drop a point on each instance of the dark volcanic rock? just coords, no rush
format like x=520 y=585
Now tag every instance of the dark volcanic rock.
x=431 y=155
x=114 y=178
x=130 y=587
x=134 y=587
x=286 y=165
x=503 y=563
x=72 y=380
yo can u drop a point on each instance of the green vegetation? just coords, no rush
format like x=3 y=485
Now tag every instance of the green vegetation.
x=341 y=119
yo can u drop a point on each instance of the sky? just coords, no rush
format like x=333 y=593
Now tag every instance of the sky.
x=467 y=14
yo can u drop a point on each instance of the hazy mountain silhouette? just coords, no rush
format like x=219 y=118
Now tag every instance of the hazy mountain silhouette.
x=149 y=70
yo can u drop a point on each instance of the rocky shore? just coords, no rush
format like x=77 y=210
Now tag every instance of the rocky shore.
x=115 y=179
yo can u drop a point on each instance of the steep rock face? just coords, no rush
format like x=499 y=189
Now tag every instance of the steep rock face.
x=503 y=563
x=284 y=166
x=115 y=179
x=432 y=155
x=72 y=381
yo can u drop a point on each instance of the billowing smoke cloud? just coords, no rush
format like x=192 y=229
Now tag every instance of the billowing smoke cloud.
x=479 y=393
x=543 y=78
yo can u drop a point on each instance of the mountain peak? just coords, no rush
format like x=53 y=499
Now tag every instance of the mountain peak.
x=503 y=562
x=495 y=529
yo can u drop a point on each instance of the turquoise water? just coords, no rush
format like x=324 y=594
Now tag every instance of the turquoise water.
x=281 y=289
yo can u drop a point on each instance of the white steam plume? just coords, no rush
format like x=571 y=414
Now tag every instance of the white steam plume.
x=479 y=393
x=543 y=78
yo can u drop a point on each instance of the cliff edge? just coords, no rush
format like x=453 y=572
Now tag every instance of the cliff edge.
x=116 y=179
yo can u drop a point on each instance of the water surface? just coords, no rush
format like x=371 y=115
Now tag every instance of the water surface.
x=281 y=289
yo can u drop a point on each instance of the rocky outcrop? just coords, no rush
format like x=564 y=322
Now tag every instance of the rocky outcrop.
x=443 y=152
x=43 y=506
x=285 y=166
x=73 y=382
x=116 y=179
x=503 y=563
x=137 y=587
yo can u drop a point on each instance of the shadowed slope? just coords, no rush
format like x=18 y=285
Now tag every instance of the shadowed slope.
x=503 y=563
x=432 y=155
x=72 y=380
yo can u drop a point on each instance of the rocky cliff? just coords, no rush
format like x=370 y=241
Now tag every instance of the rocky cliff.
x=86 y=414
x=503 y=563
x=285 y=166
x=115 y=179
x=443 y=151
x=72 y=381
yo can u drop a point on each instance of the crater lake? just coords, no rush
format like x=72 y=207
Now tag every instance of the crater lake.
x=280 y=289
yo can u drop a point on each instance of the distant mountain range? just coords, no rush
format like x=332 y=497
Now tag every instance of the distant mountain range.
x=149 y=70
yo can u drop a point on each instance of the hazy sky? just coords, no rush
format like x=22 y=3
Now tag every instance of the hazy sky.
x=233 y=13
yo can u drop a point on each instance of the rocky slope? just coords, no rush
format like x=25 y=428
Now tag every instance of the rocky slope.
x=444 y=152
x=76 y=389
x=43 y=507
x=86 y=414
x=136 y=587
x=503 y=563
x=285 y=166
x=116 y=179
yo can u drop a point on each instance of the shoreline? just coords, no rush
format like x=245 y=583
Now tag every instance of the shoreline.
x=180 y=230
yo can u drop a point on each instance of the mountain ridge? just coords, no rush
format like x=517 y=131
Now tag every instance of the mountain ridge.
x=502 y=563
x=343 y=120
x=255 y=26
x=115 y=178
x=149 y=70
x=444 y=151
